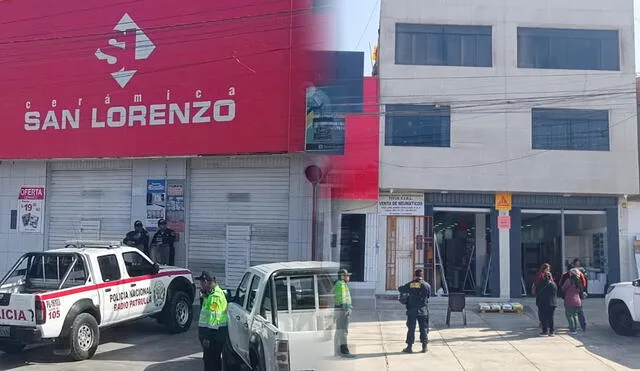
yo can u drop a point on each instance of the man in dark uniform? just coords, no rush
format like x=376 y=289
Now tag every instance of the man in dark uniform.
x=138 y=238
x=162 y=249
x=418 y=292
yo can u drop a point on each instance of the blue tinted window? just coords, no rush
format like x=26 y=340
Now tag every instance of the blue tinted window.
x=568 y=49
x=570 y=129
x=443 y=45
x=417 y=126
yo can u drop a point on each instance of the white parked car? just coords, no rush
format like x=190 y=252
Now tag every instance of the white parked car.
x=66 y=296
x=281 y=317
x=622 y=303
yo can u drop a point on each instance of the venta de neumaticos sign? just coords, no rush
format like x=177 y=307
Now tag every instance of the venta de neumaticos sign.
x=146 y=78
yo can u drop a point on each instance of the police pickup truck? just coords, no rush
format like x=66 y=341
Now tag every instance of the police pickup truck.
x=281 y=317
x=66 y=296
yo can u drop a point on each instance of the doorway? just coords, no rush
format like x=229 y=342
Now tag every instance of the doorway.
x=352 y=244
x=541 y=239
x=463 y=238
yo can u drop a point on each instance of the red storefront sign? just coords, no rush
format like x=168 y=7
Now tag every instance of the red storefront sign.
x=85 y=78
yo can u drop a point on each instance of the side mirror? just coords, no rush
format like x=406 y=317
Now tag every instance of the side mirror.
x=636 y=283
x=229 y=295
x=156 y=268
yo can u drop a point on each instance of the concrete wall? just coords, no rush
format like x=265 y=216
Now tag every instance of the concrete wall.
x=491 y=145
x=14 y=175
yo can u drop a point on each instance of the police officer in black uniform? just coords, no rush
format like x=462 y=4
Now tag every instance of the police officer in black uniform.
x=418 y=292
x=138 y=238
x=162 y=248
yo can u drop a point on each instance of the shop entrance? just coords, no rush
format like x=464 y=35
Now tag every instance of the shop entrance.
x=541 y=240
x=453 y=244
x=558 y=237
x=352 y=244
x=463 y=237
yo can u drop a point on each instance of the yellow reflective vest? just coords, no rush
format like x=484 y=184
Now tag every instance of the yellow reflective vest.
x=213 y=313
x=342 y=295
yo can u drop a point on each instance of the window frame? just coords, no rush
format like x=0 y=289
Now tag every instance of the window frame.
x=142 y=258
x=269 y=289
x=245 y=280
x=551 y=48
x=117 y=265
x=413 y=42
x=250 y=289
x=436 y=118
x=569 y=124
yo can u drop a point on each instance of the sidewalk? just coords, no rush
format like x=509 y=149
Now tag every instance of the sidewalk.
x=506 y=341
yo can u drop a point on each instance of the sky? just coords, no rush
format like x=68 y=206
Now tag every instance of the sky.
x=359 y=20
x=358 y=27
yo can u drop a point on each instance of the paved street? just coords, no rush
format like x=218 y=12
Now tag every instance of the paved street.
x=489 y=342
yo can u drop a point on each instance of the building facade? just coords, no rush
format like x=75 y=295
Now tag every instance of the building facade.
x=160 y=125
x=521 y=106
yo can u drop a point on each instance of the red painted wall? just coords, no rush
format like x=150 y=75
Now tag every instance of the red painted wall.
x=355 y=174
x=238 y=66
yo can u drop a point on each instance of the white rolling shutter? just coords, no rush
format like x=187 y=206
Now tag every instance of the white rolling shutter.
x=238 y=252
x=249 y=190
x=88 y=200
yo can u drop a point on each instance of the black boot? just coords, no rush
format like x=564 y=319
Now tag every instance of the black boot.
x=408 y=349
x=344 y=350
x=424 y=347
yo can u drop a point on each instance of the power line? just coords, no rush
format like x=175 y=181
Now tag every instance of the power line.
x=519 y=158
x=368 y=23
x=150 y=29
x=82 y=81
x=167 y=41
x=140 y=20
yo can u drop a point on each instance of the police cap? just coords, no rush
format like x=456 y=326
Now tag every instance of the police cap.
x=206 y=276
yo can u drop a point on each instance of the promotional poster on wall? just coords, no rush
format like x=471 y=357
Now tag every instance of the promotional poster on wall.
x=337 y=92
x=175 y=205
x=156 y=202
x=30 y=209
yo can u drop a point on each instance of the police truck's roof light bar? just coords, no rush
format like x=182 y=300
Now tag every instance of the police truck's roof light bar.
x=92 y=244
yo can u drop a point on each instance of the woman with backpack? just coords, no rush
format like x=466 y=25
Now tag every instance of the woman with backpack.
x=538 y=279
x=572 y=292
x=546 y=301
x=583 y=279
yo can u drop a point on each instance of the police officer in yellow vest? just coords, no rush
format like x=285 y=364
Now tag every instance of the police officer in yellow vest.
x=212 y=327
x=343 y=305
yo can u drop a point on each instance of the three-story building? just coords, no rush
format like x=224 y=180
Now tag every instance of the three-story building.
x=530 y=105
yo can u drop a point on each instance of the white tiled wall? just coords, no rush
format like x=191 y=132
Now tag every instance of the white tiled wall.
x=14 y=175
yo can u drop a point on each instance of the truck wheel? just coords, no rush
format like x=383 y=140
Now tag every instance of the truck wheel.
x=85 y=337
x=12 y=348
x=621 y=321
x=180 y=313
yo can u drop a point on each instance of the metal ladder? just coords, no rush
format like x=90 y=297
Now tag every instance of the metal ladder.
x=469 y=276
x=437 y=263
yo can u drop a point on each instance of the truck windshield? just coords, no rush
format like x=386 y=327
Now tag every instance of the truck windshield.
x=36 y=272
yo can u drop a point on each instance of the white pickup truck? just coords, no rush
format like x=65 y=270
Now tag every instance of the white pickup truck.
x=622 y=304
x=66 y=296
x=282 y=318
